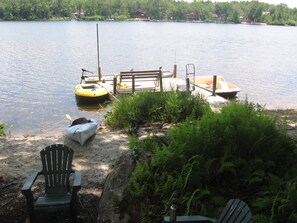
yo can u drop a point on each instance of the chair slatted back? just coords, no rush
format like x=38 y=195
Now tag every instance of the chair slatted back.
x=57 y=167
x=236 y=211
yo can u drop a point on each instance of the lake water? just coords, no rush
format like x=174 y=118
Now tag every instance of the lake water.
x=40 y=63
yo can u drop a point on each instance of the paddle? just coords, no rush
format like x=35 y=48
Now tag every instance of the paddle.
x=69 y=117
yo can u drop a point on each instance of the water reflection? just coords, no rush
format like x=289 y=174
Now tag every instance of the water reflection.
x=94 y=107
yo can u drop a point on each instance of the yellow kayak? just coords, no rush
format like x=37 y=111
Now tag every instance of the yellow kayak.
x=90 y=93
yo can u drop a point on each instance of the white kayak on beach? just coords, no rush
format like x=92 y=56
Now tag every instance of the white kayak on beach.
x=81 y=130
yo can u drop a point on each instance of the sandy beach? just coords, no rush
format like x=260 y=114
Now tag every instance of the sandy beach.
x=20 y=156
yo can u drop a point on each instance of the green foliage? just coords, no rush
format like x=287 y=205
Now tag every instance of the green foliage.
x=146 y=107
x=2 y=133
x=240 y=152
x=4 y=127
x=92 y=18
x=119 y=17
x=60 y=18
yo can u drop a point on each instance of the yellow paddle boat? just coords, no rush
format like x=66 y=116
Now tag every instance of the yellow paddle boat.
x=90 y=93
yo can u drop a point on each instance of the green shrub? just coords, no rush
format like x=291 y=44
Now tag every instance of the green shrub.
x=141 y=108
x=3 y=127
x=92 y=18
x=240 y=152
x=2 y=133
x=58 y=19
x=119 y=17
x=291 y=22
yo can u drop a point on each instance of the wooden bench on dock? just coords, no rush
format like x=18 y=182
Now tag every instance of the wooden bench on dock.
x=144 y=78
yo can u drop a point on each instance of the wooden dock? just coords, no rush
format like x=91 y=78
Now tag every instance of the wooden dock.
x=128 y=82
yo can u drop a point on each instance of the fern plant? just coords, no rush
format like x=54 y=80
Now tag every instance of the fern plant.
x=240 y=152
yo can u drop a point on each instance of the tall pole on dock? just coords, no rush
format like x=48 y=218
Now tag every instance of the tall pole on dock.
x=175 y=67
x=99 y=68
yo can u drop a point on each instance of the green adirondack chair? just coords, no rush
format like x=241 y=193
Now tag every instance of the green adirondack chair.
x=236 y=211
x=59 y=195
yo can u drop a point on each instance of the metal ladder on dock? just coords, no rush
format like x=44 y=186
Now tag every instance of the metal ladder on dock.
x=190 y=73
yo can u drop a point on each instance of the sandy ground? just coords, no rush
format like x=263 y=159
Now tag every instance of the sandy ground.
x=20 y=156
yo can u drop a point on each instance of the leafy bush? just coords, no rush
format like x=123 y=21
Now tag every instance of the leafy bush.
x=118 y=17
x=3 y=127
x=57 y=19
x=241 y=152
x=92 y=18
x=2 y=133
x=146 y=107
x=291 y=23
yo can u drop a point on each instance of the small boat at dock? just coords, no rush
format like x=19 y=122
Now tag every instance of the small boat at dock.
x=222 y=87
x=215 y=84
x=90 y=93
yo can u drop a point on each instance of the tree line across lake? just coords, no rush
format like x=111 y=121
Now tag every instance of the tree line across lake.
x=198 y=10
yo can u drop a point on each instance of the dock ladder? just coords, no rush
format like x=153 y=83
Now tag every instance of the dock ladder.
x=190 y=74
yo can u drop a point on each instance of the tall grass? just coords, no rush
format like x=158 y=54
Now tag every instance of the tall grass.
x=240 y=152
x=146 y=107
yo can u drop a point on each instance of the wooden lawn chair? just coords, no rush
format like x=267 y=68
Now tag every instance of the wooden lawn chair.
x=236 y=211
x=59 y=195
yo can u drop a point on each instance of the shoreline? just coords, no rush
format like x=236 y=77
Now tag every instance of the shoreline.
x=278 y=111
x=86 y=19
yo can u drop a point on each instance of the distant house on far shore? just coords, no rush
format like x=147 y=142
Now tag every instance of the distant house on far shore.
x=76 y=15
x=140 y=14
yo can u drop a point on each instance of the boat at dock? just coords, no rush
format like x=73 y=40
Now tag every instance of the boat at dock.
x=90 y=93
x=222 y=87
x=215 y=84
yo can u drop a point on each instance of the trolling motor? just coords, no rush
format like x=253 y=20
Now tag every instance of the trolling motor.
x=84 y=76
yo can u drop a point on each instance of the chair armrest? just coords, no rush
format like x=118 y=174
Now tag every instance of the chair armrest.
x=29 y=182
x=75 y=188
x=76 y=182
x=190 y=219
x=26 y=190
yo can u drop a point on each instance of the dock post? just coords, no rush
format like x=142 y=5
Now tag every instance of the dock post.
x=114 y=85
x=174 y=70
x=133 y=83
x=161 y=80
x=188 y=84
x=214 y=85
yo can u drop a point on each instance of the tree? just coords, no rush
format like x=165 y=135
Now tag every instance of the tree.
x=255 y=12
x=221 y=10
x=181 y=10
